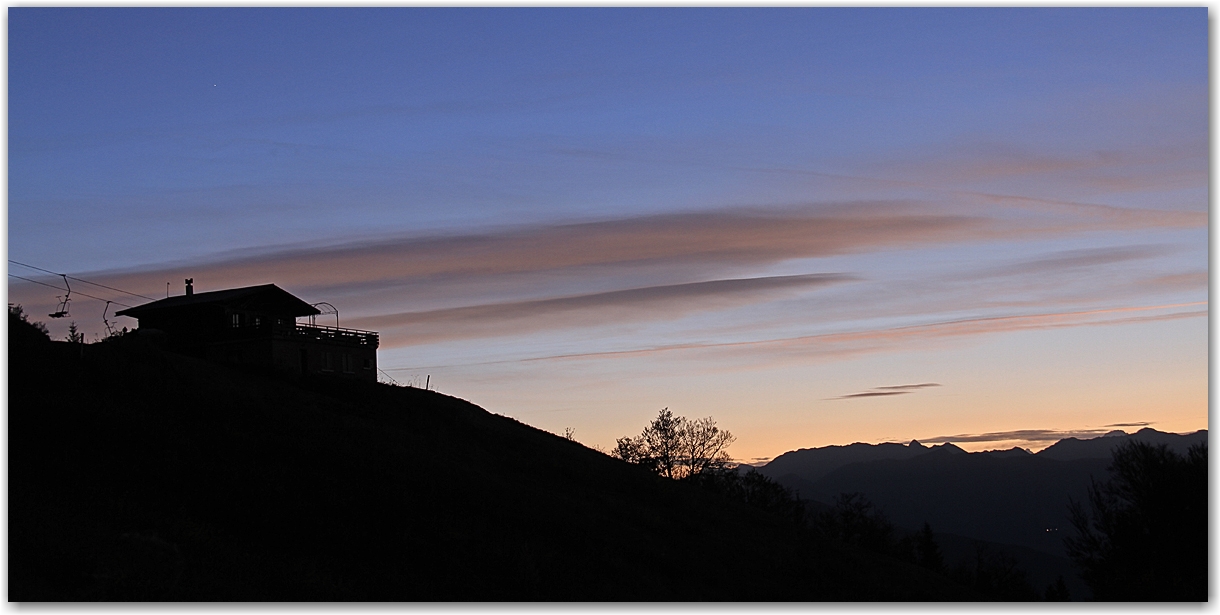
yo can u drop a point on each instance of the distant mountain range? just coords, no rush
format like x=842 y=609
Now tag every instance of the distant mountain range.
x=1012 y=497
x=813 y=463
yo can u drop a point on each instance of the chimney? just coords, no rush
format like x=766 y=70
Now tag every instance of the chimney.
x=190 y=290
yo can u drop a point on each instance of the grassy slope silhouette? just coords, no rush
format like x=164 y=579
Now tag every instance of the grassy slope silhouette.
x=136 y=474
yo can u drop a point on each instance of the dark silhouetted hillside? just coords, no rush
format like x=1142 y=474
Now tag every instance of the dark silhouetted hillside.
x=136 y=474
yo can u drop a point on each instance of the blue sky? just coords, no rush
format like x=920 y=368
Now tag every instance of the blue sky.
x=578 y=216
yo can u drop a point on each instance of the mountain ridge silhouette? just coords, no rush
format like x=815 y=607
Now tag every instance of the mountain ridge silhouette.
x=813 y=463
x=1010 y=500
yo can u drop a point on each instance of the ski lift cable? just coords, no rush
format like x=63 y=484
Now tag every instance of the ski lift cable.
x=388 y=376
x=13 y=275
x=82 y=280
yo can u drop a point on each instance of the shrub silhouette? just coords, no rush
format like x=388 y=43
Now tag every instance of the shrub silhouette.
x=854 y=520
x=996 y=576
x=754 y=489
x=1144 y=535
x=1057 y=591
x=927 y=552
x=20 y=327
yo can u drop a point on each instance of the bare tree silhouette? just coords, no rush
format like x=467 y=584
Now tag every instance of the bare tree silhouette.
x=677 y=447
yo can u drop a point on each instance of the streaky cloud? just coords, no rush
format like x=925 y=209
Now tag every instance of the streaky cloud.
x=1178 y=281
x=1115 y=169
x=872 y=394
x=1026 y=435
x=886 y=391
x=909 y=386
x=713 y=241
x=647 y=303
x=461 y=281
x=725 y=238
x=1073 y=216
x=812 y=347
x=1075 y=259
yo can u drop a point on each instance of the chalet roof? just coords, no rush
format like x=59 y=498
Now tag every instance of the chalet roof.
x=267 y=298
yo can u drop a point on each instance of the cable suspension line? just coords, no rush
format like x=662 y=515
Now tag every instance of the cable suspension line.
x=13 y=275
x=82 y=280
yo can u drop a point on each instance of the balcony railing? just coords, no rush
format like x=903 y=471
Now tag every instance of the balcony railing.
x=333 y=335
x=300 y=332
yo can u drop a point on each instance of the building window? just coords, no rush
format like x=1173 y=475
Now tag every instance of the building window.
x=348 y=364
x=328 y=364
x=236 y=320
x=368 y=364
x=258 y=320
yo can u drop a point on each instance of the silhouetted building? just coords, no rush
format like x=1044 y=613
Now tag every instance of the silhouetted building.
x=256 y=325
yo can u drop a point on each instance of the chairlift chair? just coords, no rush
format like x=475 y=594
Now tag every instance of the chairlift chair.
x=63 y=301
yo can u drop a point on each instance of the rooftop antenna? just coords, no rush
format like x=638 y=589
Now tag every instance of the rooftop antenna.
x=330 y=309
x=63 y=301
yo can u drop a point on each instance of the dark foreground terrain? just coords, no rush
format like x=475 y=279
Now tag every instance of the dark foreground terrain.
x=136 y=474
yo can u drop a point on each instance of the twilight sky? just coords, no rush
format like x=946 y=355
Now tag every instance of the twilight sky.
x=819 y=226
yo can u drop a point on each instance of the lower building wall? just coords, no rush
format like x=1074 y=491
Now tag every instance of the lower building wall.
x=240 y=352
x=298 y=357
x=330 y=359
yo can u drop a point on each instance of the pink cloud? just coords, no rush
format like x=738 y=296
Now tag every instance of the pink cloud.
x=711 y=240
x=473 y=281
x=648 y=303
x=875 y=340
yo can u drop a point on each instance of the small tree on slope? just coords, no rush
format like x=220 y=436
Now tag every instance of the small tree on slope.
x=676 y=447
